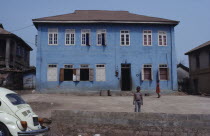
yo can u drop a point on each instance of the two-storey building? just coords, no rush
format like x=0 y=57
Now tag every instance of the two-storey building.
x=105 y=50
x=14 y=59
x=199 y=64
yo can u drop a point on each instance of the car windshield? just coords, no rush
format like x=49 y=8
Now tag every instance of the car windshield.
x=15 y=99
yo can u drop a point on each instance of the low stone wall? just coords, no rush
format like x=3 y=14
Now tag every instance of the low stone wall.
x=88 y=123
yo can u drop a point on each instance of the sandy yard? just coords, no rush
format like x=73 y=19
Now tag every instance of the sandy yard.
x=42 y=104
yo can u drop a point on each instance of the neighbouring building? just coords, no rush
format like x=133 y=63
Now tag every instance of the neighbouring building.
x=14 y=59
x=105 y=50
x=199 y=64
x=183 y=77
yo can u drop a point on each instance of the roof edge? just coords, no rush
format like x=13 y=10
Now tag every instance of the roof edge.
x=129 y=22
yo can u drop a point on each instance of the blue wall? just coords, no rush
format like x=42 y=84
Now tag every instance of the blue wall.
x=112 y=55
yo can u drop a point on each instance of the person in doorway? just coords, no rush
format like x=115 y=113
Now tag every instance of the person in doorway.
x=138 y=99
x=158 y=89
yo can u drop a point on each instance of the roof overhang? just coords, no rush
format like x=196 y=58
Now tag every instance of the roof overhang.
x=108 y=22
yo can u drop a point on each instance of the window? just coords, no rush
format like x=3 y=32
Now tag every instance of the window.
x=100 y=72
x=70 y=37
x=124 y=38
x=53 y=36
x=86 y=73
x=15 y=99
x=68 y=66
x=18 y=51
x=162 y=38
x=67 y=73
x=163 y=72
x=52 y=72
x=101 y=37
x=147 y=72
x=86 y=37
x=147 y=36
x=197 y=59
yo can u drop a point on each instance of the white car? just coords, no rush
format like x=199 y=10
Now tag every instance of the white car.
x=17 y=117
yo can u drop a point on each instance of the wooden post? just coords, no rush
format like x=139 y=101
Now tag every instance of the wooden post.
x=7 y=55
x=14 y=53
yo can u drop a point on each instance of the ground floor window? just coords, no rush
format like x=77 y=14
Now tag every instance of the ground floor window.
x=52 y=72
x=147 y=72
x=84 y=73
x=100 y=72
x=163 y=72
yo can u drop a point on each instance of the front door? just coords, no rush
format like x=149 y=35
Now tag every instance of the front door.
x=125 y=77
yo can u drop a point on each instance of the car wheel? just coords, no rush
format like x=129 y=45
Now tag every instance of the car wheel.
x=4 y=131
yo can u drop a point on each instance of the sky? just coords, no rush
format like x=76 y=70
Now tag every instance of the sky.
x=194 y=16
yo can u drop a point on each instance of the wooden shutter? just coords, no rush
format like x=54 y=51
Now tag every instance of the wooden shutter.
x=62 y=74
x=91 y=74
x=74 y=75
x=168 y=74
x=142 y=74
x=151 y=74
x=87 y=39
x=103 y=39
x=159 y=74
x=78 y=74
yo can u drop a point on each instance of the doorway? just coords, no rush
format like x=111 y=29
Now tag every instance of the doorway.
x=125 y=77
x=195 y=82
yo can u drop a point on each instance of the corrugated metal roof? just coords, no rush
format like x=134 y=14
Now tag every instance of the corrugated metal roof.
x=198 y=47
x=103 y=15
x=4 y=32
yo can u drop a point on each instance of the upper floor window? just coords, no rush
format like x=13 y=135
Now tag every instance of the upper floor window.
x=53 y=36
x=197 y=59
x=162 y=38
x=147 y=72
x=101 y=37
x=70 y=37
x=124 y=37
x=147 y=36
x=86 y=37
x=163 y=72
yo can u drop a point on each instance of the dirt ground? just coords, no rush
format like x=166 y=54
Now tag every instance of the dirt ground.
x=42 y=104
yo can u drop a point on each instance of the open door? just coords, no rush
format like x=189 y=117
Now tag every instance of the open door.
x=125 y=77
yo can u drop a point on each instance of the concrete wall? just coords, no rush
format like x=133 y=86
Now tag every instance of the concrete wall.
x=201 y=74
x=86 y=123
x=112 y=55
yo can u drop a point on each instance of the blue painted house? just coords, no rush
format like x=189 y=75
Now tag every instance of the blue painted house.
x=100 y=50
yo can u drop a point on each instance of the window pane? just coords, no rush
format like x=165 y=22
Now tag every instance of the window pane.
x=15 y=99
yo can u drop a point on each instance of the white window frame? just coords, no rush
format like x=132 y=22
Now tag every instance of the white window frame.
x=146 y=32
x=84 y=65
x=85 y=31
x=99 y=33
x=104 y=67
x=124 y=34
x=147 y=66
x=163 y=66
x=162 y=34
x=48 y=66
x=71 y=33
x=54 y=32
x=69 y=66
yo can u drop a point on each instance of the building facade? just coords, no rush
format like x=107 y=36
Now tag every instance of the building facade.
x=105 y=50
x=14 y=59
x=199 y=64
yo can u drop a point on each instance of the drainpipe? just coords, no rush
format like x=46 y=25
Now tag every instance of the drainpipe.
x=172 y=54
